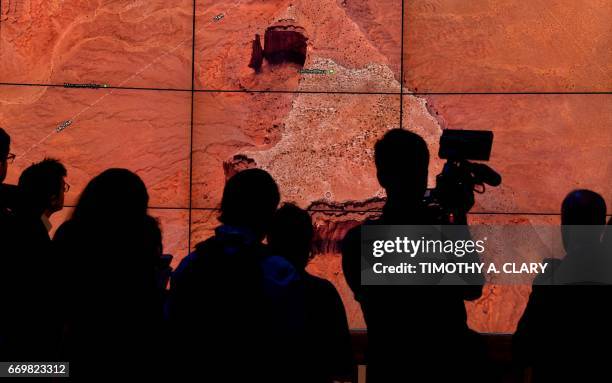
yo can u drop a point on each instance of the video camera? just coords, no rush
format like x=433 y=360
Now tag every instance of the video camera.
x=460 y=178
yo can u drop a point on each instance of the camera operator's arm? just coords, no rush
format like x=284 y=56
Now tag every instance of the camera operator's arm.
x=351 y=260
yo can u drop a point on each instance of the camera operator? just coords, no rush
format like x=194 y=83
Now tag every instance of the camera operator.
x=414 y=332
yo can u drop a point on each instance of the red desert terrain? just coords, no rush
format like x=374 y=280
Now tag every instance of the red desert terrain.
x=303 y=89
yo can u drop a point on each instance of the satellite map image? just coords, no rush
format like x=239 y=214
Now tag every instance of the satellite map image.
x=187 y=93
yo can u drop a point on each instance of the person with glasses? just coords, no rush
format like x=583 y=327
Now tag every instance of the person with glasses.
x=6 y=223
x=33 y=324
x=8 y=193
x=42 y=187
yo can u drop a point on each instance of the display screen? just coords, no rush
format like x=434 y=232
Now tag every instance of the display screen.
x=188 y=93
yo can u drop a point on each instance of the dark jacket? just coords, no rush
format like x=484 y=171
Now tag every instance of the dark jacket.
x=565 y=329
x=326 y=352
x=30 y=283
x=412 y=328
x=225 y=310
x=111 y=302
x=7 y=235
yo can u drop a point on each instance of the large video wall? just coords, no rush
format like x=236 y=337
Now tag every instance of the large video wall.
x=186 y=93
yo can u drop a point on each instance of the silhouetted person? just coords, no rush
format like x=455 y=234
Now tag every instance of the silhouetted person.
x=8 y=193
x=6 y=224
x=324 y=349
x=32 y=283
x=111 y=298
x=224 y=295
x=565 y=328
x=412 y=330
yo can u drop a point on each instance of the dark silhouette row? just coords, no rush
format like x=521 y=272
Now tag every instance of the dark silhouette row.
x=242 y=306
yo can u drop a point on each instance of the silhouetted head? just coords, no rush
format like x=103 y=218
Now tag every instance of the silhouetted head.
x=291 y=235
x=5 y=147
x=115 y=195
x=402 y=161
x=42 y=187
x=250 y=199
x=583 y=214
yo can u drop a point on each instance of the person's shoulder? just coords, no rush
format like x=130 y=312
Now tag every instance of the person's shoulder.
x=355 y=231
x=353 y=235
x=185 y=264
x=68 y=241
x=206 y=246
x=194 y=259
x=67 y=229
x=321 y=285
x=316 y=281
x=67 y=226
x=186 y=273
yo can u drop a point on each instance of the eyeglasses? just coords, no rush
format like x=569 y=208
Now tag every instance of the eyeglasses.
x=66 y=187
x=10 y=158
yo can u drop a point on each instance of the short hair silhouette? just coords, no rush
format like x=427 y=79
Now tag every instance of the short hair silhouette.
x=5 y=143
x=583 y=207
x=291 y=234
x=113 y=193
x=402 y=161
x=583 y=216
x=249 y=200
x=39 y=184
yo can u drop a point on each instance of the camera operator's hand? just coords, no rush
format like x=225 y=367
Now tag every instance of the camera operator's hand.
x=459 y=213
x=455 y=190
